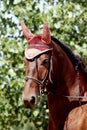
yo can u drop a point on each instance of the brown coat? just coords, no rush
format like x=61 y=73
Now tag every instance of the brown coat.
x=77 y=119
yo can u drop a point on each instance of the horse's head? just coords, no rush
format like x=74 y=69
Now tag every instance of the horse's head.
x=37 y=63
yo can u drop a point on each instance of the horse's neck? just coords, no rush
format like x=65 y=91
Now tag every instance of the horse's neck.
x=66 y=80
x=65 y=83
x=64 y=72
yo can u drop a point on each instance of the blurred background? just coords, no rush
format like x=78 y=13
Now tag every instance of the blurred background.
x=67 y=20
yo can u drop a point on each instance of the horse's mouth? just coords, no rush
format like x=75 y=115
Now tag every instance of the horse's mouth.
x=28 y=104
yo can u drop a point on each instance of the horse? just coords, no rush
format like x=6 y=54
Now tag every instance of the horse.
x=51 y=65
x=77 y=119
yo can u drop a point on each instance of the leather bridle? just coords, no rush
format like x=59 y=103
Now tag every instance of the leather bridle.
x=42 y=83
x=46 y=80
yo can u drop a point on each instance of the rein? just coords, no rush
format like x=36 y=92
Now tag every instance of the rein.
x=80 y=90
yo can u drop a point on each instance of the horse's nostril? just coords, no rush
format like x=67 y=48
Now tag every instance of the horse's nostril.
x=32 y=100
x=26 y=103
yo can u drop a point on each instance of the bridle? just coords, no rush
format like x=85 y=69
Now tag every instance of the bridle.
x=46 y=79
x=42 y=83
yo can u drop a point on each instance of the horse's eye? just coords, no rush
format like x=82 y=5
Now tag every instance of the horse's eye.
x=46 y=61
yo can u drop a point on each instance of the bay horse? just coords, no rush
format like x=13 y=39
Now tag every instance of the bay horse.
x=77 y=119
x=52 y=65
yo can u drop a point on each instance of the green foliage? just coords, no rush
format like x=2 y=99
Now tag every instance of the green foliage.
x=67 y=21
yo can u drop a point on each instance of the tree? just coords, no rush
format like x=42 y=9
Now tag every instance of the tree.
x=67 y=21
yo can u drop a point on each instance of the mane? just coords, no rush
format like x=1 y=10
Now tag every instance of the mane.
x=76 y=60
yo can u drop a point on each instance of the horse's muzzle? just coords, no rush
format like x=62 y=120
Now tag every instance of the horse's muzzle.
x=29 y=103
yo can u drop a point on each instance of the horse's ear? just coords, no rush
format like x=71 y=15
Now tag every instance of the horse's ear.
x=27 y=33
x=46 y=36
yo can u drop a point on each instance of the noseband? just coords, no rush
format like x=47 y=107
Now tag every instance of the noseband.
x=42 y=84
x=46 y=79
